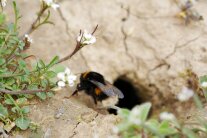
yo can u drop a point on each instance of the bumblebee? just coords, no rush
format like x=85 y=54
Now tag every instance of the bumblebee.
x=96 y=86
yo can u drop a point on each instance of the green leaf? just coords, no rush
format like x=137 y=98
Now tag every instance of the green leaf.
x=25 y=109
x=42 y=95
x=165 y=129
x=22 y=63
x=58 y=68
x=203 y=79
x=197 y=101
x=143 y=110
x=2 y=18
x=21 y=45
x=189 y=133
x=28 y=96
x=22 y=122
x=3 y=111
x=9 y=102
x=2 y=61
x=50 y=94
x=17 y=17
x=15 y=109
x=21 y=101
x=42 y=63
x=123 y=113
x=11 y=27
x=50 y=74
x=10 y=81
x=152 y=124
x=53 y=61
x=32 y=87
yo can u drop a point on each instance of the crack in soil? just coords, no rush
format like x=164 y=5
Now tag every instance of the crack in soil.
x=183 y=45
x=65 y=22
x=84 y=59
x=171 y=54
x=74 y=132
x=125 y=34
x=95 y=117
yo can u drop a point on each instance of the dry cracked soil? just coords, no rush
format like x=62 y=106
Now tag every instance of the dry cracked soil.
x=142 y=41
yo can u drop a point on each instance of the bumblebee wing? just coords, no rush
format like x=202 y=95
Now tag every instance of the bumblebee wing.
x=108 y=89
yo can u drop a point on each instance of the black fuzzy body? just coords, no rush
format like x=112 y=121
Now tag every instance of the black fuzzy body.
x=89 y=88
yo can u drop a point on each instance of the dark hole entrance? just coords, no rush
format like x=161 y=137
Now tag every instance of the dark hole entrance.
x=132 y=95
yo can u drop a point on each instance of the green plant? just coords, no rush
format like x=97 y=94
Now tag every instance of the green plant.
x=136 y=123
x=21 y=81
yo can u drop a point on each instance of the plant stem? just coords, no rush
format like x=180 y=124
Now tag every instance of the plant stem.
x=33 y=26
x=70 y=55
x=22 y=91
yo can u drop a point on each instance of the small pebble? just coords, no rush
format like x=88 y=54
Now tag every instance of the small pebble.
x=59 y=113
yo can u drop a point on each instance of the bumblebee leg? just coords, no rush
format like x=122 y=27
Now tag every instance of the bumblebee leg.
x=94 y=98
x=114 y=107
x=75 y=92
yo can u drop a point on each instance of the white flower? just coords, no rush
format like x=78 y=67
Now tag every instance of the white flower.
x=86 y=38
x=52 y=4
x=167 y=116
x=204 y=84
x=55 y=6
x=29 y=39
x=61 y=76
x=3 y=3
x=66 y=77
x=71 y=78
x=185 y=94
x=67 y=71
x=61 y=84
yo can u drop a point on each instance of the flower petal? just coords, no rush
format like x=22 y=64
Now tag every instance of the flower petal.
x=61 y=84
x=67 y=71
x=71 y=83
x=72 y=77
x=61 y=76
x=185 y=94
x=167 y=116
x=55 y=6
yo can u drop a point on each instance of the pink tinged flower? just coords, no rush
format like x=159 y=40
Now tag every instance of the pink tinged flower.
x=185 y=94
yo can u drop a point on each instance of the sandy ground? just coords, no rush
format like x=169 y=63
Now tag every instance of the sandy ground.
x=141 y=40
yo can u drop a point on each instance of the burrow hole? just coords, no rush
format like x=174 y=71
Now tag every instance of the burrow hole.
x=132 y=95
